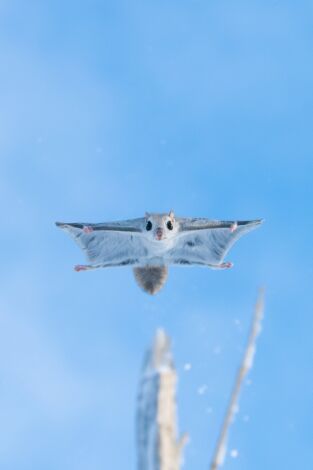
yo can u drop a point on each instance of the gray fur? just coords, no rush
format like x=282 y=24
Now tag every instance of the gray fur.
x=149 y=244
x=151 y=278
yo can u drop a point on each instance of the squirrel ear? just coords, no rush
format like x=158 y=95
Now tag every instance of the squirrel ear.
x=171 y=214
x=147 y=215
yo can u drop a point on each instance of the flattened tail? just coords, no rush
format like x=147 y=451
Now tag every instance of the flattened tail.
x=151 y=278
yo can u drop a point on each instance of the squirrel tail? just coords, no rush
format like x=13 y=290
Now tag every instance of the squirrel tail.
x=151 y=278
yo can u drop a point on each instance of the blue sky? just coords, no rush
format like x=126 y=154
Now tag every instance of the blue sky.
x=109 y=109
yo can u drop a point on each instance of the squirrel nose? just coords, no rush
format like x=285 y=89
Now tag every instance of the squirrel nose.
x=159 y=233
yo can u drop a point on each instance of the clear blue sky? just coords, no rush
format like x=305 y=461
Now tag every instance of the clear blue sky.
x=109 y=109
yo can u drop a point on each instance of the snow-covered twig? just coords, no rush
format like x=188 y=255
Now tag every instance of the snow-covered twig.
x=158 y=447
x=246 y=364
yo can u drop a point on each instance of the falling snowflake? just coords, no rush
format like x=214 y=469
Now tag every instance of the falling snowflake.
x=234 y=453
x=202 y=390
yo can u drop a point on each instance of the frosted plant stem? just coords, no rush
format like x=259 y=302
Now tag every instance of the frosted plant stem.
x=246 y=364
x=158 y=446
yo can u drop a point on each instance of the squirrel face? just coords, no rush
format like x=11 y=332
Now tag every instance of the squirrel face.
x=160 y=227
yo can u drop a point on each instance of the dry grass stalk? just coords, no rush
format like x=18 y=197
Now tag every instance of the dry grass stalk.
x=158 y=447
x=246 y=364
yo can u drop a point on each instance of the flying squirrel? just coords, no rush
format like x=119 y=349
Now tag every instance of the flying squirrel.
x=150 y=244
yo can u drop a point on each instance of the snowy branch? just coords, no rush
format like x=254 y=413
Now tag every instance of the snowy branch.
x=246 y=364
x=158 y=447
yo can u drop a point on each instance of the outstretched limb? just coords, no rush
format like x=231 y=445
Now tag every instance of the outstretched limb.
x=226 y=265
x=84 y=267
x=187 y=262
x=233 y=227
x=88 y=267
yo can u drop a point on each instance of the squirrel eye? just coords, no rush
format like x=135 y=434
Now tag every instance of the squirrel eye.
x=149 y=225
x=169 y=225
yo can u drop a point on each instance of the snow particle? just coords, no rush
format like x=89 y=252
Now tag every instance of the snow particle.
x=202 y=390
x=234 y=453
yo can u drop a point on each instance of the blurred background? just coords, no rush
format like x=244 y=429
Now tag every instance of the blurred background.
x=112 y=108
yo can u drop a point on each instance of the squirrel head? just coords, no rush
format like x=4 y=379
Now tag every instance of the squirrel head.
x=160 y=227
